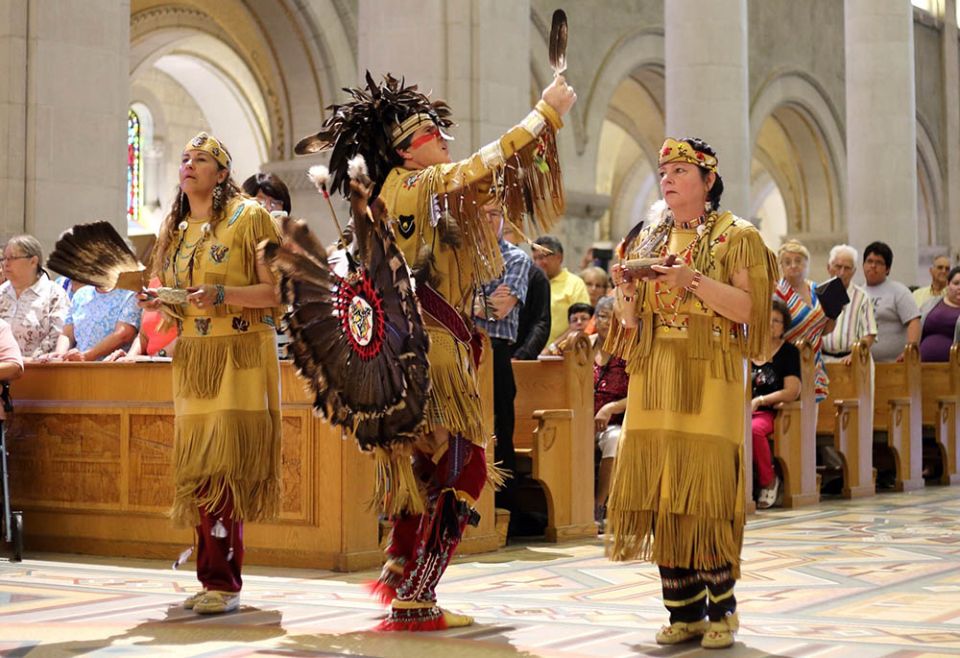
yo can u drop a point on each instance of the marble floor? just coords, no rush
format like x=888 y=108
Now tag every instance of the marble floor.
x=874 y=577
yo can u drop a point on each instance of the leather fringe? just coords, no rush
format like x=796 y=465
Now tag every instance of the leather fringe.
x=245 y=447
x=700 y=525
x=201 y=362
x=396 y=490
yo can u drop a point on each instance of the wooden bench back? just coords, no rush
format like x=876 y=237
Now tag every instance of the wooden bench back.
x=897 y=381
x=938 y=380
x=847 y=383
x=554 y=383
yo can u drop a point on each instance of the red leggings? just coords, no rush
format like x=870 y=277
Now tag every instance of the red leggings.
x=217 y=569
x=762 y=426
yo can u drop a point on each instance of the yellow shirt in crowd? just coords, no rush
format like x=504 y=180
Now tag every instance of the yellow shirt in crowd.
x=565 y=289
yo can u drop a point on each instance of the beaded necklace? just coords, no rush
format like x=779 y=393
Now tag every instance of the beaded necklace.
x=189 y=251
x=689 y=255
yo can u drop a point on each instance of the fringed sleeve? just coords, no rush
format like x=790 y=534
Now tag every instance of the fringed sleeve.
x=521 y=170
x=747 y=251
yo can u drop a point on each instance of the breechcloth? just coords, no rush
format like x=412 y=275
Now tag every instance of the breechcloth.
x=690 y=595
x=217 y=535
x=421 y=545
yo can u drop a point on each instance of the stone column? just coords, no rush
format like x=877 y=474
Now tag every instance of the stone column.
x=75 y=82
x=707 y=89
x=951 y=133
x=13 y=57
x=882 y=130
x=474 y=55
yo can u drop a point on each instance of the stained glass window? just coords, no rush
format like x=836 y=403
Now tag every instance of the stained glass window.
x=134 y=169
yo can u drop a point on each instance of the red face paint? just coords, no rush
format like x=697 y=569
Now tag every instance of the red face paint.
x=431 y=134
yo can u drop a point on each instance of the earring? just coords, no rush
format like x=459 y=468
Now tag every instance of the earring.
x=180 y=204
x=217 y=198
x=708 y=207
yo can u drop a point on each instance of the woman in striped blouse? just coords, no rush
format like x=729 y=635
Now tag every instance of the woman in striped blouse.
x=808 y=320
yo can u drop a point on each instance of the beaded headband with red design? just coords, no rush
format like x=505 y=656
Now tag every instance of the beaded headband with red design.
x=674 y=150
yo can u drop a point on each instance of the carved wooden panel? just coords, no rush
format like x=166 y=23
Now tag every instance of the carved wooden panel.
x=151 y=456
x=65 y=458
x=292 y=461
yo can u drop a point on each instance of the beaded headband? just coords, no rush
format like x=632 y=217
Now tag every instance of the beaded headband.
x=676 y=151
x=204 y=142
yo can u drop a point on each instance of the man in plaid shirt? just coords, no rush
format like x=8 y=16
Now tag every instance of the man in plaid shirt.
x=497 y=311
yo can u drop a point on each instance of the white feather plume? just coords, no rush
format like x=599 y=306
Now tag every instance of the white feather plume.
x=658 y=211
x=357 y=167
x=319 y=174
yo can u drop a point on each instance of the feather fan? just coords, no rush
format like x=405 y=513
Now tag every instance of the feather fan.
x=95 y=254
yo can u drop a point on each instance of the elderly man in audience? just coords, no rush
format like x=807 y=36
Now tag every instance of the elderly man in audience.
x=856 y=321
x=938 y=282
x=98 y=323
x=33 y=305
x=898 y=318
x=566 y=288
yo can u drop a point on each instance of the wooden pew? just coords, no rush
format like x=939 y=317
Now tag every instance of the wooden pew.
x=897 y=410
x=940 y=392
x=850 y=421
x=554 y=426
x=794 y=438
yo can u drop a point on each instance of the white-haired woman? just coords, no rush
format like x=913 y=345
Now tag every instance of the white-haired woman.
x=808 y=320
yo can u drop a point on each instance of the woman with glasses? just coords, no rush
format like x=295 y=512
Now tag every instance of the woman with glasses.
x=33 y=305
x=809 y=321
x=270 y=191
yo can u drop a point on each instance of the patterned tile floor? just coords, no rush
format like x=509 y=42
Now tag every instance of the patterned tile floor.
x=875 y=577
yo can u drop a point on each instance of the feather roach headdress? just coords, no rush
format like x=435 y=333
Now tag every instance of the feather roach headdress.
x=367 y=126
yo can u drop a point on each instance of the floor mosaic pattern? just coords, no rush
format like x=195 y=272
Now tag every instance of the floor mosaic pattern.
x=874 y=577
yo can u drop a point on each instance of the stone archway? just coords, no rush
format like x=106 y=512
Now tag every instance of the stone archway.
x=629 y=138
x=798 y=154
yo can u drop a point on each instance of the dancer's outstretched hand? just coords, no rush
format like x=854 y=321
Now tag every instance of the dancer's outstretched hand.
x=559 y=95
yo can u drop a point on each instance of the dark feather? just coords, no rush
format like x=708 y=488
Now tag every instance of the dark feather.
x=558 y=42
x=94 y=254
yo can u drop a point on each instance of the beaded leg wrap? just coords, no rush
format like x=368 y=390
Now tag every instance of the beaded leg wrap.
x=691 y=595
x=454 y=484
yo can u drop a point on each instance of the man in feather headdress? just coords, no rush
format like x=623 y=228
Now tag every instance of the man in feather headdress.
x=437 y=211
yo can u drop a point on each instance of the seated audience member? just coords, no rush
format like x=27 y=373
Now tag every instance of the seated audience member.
x=940 y=321
x=98 y=323
x=775 y=381
x=809 y=321
x=33 y=305
x=898 y=318
x=938 y=282
x=856 y=321
x=566 y=288
x=270 y=191
x=610 y=381
x=578 y=316
x=157 y=336
x=598 y=283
